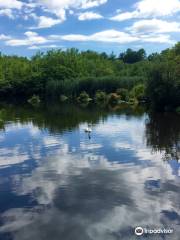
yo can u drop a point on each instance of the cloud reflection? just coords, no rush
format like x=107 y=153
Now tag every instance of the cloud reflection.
x=83 y=194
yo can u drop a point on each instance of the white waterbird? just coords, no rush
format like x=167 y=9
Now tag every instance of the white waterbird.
x=88 y=130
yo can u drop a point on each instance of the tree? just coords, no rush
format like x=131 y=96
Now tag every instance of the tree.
x=131 y=56
x=163 y=86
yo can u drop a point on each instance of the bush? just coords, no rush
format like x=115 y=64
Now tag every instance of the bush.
x=113 y=98
x=34 y=100
x=138 y=92
x=107 y=84
x=123 y=93
x=63 y=98
x=101 y=97
x=83 y=97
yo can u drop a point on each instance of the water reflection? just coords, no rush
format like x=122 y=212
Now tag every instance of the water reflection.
x=163 y=134
x=56 y=183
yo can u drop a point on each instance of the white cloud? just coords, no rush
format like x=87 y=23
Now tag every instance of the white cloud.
x=7 y=12
x=124 y=16
x=154 y=25
x=113 y=36
x=89 y=16
x=118 y=10
x=150 y=8
x=46 y=22
x=61 y=13
x=4 y=37
x=67 y=4
x=104 y=36
x=158 y=7
x=34 y=41
x=11 y=4
x=92 y=3
x=34 y=47
x=160 y=38
x=31 y=39
x=69 y=37
x=59 y=7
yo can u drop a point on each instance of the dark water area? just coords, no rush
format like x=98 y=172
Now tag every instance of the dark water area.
x=58 y=182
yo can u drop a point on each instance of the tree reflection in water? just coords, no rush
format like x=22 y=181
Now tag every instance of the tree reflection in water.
x=55 y=183
x=162 y=130
x=163 y=134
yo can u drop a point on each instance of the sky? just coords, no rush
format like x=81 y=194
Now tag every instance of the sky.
x=27 y=26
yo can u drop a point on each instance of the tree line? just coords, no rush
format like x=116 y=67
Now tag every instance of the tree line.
x=132 y=75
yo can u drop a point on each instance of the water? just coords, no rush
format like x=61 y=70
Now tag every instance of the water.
x=59 y=183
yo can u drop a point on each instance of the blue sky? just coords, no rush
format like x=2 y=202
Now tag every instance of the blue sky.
x=102 y=25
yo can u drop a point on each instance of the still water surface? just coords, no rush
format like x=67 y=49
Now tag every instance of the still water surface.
x=59 y=183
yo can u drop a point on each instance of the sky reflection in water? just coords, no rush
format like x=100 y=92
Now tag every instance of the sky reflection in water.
x=63 y=185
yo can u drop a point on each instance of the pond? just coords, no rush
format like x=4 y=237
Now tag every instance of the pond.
x=58 y=182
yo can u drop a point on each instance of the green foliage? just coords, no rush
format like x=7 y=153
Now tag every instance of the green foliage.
x=63 y=98
x=108 y=84
x=113 y=98
x=176 y=48
x=67 y=72
x=163 y=86
x=123 y=93
x=71 y=72
x=131 y=56
x=83 y=97
x=138 y=92
x=101 y=98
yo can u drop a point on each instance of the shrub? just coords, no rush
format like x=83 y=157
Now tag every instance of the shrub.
x=113 y=98
x=83 y=97
x=63 y=98
x=34 y=100
x=123 y=93
x=101 y=97
x=138 y=92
